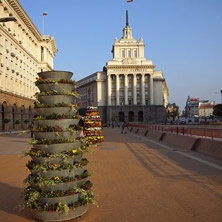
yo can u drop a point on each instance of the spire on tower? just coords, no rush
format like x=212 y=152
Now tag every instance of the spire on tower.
x=127 y=19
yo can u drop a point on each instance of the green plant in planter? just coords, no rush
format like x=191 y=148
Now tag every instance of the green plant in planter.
x=17 y=122
x=6 y=121
x=26 y=121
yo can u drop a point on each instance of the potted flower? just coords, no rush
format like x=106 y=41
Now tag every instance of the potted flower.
x=17 y=122
x=26 y=123
x=6 y=124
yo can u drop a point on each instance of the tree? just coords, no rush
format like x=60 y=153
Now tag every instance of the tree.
x=218 y=110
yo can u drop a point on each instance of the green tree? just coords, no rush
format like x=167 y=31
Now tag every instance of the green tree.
x=218 y=110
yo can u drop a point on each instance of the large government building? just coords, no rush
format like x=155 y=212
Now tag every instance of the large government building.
x=23 y=53
x=128 y=89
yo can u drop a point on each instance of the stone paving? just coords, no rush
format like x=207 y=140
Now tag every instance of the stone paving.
x=134 y=181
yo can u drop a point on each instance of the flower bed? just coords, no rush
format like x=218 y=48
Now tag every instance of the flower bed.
x=93 y=126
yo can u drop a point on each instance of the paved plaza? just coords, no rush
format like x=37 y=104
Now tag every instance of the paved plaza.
x=135 y=180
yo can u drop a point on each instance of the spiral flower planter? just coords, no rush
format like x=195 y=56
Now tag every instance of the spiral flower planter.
x=61 y=110
x=61 y=147
x=55 y=75
x=53 y=99
x=59 y=87
x=60 y=216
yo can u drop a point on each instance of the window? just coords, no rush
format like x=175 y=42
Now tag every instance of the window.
x=147 y=102
x=146 y=77
x=130 y=102
x=121 y=85
x=138 y=85
x=113 y=85
x=146 y=93
x=129 y=77
x=130 y=85
x=129 y=53
x=121 y=77
x=113 y=77
x=135 y=53
x=129 y=93
x=138 y=77
x=121 y=93
x=146 y=85
x=123 y=53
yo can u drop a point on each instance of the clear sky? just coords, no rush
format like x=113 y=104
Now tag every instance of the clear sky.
x=183 y=38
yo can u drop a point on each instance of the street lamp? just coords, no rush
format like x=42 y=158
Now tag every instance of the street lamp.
x=8 y=19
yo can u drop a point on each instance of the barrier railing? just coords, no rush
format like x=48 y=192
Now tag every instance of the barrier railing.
x=192 y=131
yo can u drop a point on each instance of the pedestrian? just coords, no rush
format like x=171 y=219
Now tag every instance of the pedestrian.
x=31 y=126
x=125 y=128
x=122 y=127
x=112 y=124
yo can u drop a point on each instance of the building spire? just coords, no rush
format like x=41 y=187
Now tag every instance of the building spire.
x=127 y=19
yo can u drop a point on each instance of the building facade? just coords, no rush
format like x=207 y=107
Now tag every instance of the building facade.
x=198 y=108
x=128 y=89
x=23 y=53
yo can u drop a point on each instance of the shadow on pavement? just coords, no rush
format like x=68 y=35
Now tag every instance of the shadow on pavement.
x=10 y=198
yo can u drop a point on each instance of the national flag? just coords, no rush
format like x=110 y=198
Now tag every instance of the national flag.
x=45 y=13
x=128 y=1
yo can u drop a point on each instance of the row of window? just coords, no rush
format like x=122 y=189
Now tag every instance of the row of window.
x=129 y=53
x=130 y=77
x=121 y=93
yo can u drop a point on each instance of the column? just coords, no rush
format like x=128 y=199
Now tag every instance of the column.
x=117 y=89
x=143 y=89
x=151 y=90
x=134 y=90
x=109 y=89
x=126 y=89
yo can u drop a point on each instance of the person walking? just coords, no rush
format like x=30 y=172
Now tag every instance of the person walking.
x=122 y=127
x=31 y=126
x=125 y=128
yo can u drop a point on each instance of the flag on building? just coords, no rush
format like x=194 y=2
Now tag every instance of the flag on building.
x=128 y=1
x=45 y=13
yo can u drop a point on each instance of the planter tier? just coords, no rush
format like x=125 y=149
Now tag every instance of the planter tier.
x=62 y=186
x=56 y=135
x=55 y=75
x=60 y=216
x=65 y=123
x=49 y=111
x=59 y=87
x=58 y=148
x=61 y=173
x=55 y=160
x=53 y=99
x=64 y=200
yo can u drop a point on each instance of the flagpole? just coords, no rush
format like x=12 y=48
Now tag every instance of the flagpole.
x=42 y=24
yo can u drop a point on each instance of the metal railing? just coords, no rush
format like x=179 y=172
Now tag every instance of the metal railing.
x=192 y=131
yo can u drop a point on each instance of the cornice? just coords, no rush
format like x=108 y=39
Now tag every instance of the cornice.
x=15 y=5
x=130 y=67
x=15 y=95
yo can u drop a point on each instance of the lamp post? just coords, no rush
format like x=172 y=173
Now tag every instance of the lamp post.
x=8 y=19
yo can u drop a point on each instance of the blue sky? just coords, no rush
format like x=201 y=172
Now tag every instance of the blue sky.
x=183 y=38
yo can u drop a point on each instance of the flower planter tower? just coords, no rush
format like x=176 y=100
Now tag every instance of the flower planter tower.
x=57 y=186
x=93 y=126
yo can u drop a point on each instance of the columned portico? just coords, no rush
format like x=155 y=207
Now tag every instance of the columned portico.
x=109 y=89
x=134 y=90
x=117 y=89
x=151 y=91
x=126 y=89
x=143 y=89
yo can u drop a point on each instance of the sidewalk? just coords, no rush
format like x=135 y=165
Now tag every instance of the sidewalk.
x=134 y=181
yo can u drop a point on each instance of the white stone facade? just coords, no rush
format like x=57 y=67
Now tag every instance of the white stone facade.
x=129 y=77
x=23 y=53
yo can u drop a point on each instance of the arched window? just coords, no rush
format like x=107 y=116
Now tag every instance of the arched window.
x=121 y=116
x=129 y=53
x=131 y=116
x=140 y=116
